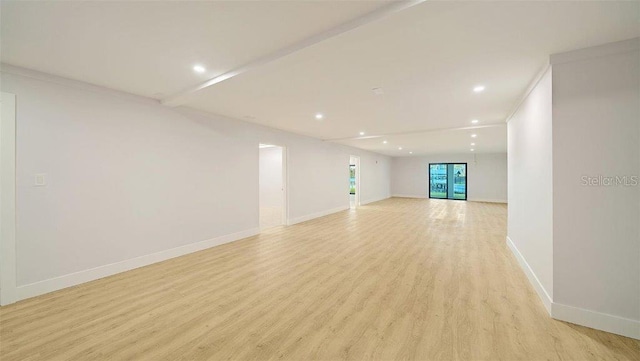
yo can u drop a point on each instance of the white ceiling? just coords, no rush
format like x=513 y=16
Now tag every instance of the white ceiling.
x=427 y=58
x=149 y=47
x=488 y=139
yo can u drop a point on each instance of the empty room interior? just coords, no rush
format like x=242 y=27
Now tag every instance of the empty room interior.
x=319 y=180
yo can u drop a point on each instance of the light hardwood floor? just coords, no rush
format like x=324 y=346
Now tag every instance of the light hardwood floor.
x=401 y=279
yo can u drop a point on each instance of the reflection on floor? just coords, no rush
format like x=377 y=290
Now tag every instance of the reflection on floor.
x=270 y=217
x=399 y=279
x=352 y=201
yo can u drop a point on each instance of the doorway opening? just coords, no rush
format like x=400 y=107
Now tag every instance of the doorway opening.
x=272 y=186
x=354 y=182
x=448 y=181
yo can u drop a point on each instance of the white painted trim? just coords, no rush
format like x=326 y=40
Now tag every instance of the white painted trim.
x=50 y=78
x=596 y=320
x=8 y=199
x=468 y=200
x=358 y=201
x=503 y=201
x=533 y=85
x=596 y=51
x=58 y=283
x=394 y=6
x=576 y=55
x=309 y=217
x=579 y=316
x=528 y=271
x=408 y=196
x=285 y=184
x=369 y=201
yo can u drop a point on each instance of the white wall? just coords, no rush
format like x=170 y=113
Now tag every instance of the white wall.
x=271 y=187
x=579 y=243
x=486 y=175
x=596 y=132
x=270 y=177
x=375 y=178
x=530 y=186
x=128 y=178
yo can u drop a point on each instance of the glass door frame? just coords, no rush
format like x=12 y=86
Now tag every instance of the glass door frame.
x=446 y=179
x=466 y=181
x=352 y=167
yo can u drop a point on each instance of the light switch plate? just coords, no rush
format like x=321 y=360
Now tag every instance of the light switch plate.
x=41 y=180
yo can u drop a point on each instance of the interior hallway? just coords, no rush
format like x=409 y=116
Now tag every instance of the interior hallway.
x=397 y=279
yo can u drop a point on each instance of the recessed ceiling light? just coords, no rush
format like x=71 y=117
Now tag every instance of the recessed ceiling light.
x=410 y=152
x=472 y=149
x=473 y=143
x=473 y=135
x=361 y=133
x=475 y=121
x=478 y=88
x=384 y=142
x=319 y=116
x=399 y=148
x=199 y=69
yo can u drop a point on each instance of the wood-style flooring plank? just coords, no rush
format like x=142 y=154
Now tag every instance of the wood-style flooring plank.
x=400 y=279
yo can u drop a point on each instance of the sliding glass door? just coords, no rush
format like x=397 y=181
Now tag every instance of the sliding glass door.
x=459 y=180
x=352 y=179
x=448 y=180
x=438 y=180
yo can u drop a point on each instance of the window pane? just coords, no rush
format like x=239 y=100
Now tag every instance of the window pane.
x=438 y=181
x=352 y=179
x=459 y=181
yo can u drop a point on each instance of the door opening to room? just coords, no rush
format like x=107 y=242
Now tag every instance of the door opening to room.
x=354 y=182
x=448 y=181
x=272 y=198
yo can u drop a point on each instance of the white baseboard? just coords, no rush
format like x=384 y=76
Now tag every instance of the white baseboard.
x=73 y=279
x=542 y=293
x=469 y=200
x=488 y=200
x=309 y=217
x=374 y=200
x=579 y=316
x=408 y=196
x=597 y=320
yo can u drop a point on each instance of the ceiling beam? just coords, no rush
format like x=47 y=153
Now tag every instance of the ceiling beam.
x=395 y=6
x=491 y=125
